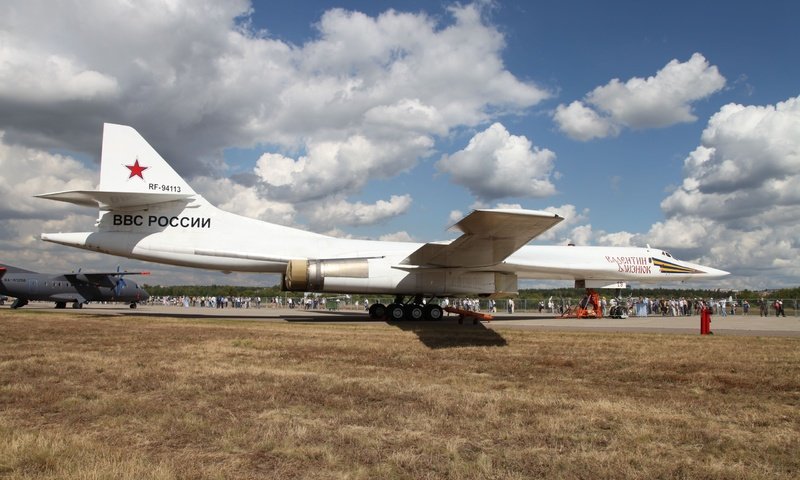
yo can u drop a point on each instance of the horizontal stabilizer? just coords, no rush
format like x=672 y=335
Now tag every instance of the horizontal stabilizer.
x=113 y=200
x=132 y=175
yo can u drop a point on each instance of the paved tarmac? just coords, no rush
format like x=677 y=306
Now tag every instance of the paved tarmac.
x=751 y=325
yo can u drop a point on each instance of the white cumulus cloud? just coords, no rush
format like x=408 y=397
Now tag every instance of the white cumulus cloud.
x=583 y=123
x=39 y=77
x=496 y=164
x=748 y=164
x=343 y=213
x=654 y=102
x=739 y=199
x=243 y=200
x=365 y=97
x=565 y=231
x=27 y=172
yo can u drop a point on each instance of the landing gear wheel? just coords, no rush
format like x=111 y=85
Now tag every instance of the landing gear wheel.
x=377 y=311
x=414 y=311
x=395 y=311
x=19 y=302
x=433 y=312
x=61 y=304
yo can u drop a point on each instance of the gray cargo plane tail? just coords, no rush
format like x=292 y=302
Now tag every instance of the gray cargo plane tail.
x=76 y=288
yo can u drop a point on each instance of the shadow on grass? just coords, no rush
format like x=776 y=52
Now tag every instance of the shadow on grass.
x=446 y=333
x=449 y=334
x=296 y=316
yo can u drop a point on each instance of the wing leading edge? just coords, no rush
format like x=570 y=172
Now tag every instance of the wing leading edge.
x=489 y=237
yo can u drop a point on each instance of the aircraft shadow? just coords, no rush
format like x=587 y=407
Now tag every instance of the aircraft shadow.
x=449 y=334
x=446 y=333
x=258 y=315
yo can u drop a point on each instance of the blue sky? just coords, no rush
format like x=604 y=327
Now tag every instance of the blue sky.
x=572 y=47
x=672 y=124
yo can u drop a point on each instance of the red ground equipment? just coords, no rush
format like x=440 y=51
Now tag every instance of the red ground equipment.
x=588 y=308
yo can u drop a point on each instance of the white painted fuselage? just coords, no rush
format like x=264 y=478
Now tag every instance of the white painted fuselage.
x=148 y=212
x=218 y=240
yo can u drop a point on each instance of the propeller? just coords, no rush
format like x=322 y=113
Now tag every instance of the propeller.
x=119 y=286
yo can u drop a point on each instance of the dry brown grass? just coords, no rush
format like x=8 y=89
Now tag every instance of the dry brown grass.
x=85 y=396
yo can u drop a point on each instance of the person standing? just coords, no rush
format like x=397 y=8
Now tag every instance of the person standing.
x=779 y=309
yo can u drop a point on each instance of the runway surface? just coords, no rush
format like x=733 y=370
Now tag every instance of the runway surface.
x=752 y=325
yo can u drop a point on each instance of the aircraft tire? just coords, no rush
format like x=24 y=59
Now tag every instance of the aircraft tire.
x=433 y=312
x=377 y=311
x=414 y=312
x=18 y=302
x=395 y=311
x=61 y=304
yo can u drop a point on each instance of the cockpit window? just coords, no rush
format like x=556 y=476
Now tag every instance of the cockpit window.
x=666 y=254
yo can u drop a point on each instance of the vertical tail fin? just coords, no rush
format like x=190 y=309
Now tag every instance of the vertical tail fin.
x=129 y=164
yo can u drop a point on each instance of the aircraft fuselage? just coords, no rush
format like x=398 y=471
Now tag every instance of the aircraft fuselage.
x=77 y=289
x=214 y=241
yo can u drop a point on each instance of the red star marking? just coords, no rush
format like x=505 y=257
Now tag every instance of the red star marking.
x=136 y=169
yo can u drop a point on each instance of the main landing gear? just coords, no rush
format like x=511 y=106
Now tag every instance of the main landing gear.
x=19 y=302
x=399 y=310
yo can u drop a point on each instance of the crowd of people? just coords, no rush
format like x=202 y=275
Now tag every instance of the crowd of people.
x=634 y=306
x=221 y=301
x=673 y=307
x=207 y=301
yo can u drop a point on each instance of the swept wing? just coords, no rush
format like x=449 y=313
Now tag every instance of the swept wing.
x=489 y=237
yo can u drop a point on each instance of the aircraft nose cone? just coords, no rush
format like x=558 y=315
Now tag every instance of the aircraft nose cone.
x=716 y=273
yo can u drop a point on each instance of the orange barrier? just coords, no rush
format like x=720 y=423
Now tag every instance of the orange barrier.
x=470 y=314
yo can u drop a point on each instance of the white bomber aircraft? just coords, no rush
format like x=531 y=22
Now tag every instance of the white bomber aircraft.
x=148 y=212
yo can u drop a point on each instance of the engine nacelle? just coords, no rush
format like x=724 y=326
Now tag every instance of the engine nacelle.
x=380 y=276
x=310 y=275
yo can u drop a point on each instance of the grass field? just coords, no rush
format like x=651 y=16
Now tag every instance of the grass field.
x=85 y=396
